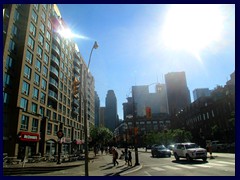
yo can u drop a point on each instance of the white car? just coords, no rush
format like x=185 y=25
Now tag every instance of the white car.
x=189 y=151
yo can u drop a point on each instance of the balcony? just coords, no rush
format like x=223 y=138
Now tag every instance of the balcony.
x=54 y=71
x=53 y=95
x=55 y=60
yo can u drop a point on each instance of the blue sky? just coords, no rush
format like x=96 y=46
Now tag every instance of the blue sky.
x=140 y=43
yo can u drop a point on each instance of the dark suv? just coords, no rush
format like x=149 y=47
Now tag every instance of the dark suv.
x=160 y=151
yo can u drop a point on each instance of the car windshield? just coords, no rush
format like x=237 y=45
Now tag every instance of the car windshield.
x=161 y=147
x=189 y=146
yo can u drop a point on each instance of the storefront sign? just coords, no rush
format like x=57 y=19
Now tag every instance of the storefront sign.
x=29 y=137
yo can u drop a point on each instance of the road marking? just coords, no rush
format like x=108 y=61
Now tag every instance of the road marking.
x=171 y=167
x=223 y=162
x=184 y=166
x=147 y=173
x=219 y=165
x=202 y=165
x=157 y=169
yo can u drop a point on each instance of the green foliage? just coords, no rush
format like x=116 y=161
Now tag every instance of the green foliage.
x=100 y=135
x=168 y=137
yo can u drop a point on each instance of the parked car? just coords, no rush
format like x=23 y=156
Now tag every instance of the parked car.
x=189 y=151
x=218 y=146
x=160 y=151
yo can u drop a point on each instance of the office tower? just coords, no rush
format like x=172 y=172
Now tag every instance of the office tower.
x=201 y=92
x=43 y=83
x=111 y=117
x=177 y=91
x=97 y=109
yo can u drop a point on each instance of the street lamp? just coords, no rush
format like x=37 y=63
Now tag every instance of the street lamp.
x=135 y=131
x=95 y=46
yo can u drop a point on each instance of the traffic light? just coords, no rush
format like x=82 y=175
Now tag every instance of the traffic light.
x=148 y=113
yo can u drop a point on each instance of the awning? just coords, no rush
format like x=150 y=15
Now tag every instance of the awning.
x=28 y=137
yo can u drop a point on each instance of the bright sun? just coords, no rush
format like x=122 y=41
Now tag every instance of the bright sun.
x=192 y=27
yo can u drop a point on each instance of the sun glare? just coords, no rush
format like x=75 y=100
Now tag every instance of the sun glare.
x=67 y=33
x=192 y=27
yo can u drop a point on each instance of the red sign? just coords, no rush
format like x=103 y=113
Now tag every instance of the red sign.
x=29 y=137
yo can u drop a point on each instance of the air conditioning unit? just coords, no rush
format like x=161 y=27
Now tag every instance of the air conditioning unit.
x=25 y=92
x=35 y=82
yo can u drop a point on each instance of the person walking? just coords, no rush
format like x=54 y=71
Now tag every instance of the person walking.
x=129 y=158
x=126 y=156
x=115 y=156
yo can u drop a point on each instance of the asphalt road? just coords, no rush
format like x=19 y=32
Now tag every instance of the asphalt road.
x=219 y=166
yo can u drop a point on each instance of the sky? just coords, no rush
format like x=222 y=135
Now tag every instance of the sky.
x=140 y=43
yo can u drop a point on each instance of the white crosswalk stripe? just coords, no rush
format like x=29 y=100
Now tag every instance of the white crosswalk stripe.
x=219 y=164
x=171 y=167
x=158 y=169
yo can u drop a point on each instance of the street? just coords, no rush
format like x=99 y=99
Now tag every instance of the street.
x=219 y=166
x=223 y=164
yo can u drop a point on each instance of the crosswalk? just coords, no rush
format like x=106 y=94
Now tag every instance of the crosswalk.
x=219 y=164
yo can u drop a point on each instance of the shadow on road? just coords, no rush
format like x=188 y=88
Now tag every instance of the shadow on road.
x=189 y=162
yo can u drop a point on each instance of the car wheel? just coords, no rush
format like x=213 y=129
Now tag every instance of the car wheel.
x=169 y=155
x=152 y=155
x=188 y=158
x=204 y=159
x=176 y=156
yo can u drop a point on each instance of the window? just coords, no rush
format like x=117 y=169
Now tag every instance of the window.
x=42 y=111
x=45 y=58
x=45 y=71
x=23 y=104
x=47 y=47
x=14 y=30
x=40 y=39
x=16 y=15
x=36 y=6
x=24 y=123
x=36 y=79
x=9 y=62
x=35 y=93
x=7 y=79
x=27 y=72
x=38 y=65
x=32 y=29
x=59 y=118
x=48 y=113
x=54 y=116
x=49 y=128
x=29 y=57
x=44 y=84
x=25 y=88
x=55 y=129
x=31 y=42
x=34 y=16
x=42 y=97
x=49 y=25
x=42 y=27
x=43 y=16
x=34 y=107
x=12 y=46
x=6 y=98
x=39 y=52
x=48 y=36
x=34 y=125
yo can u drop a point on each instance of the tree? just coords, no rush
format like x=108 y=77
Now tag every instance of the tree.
x=100 y=136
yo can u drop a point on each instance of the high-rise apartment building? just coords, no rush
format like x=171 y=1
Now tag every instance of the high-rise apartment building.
x=201 y=92
x=97 y=108
x=43 y=83
x=111 y=117
x=177 y=91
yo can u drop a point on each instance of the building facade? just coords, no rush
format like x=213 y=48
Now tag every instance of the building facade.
x=43 y=83
x=111 y=117
x=97 y=109
x=201 y=92
x=177 y=91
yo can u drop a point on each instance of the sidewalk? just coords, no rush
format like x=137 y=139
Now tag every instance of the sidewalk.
x=101 y=165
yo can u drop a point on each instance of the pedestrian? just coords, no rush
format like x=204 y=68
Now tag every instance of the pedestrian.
x=102 y=148
x=115 y=156
x=129 y=158
x=126 y=156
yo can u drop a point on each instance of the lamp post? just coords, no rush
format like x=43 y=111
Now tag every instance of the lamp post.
x=95 y=46
x=135 y=131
